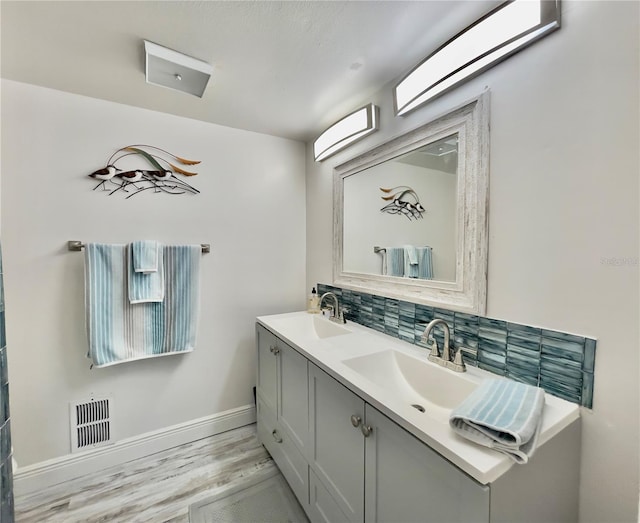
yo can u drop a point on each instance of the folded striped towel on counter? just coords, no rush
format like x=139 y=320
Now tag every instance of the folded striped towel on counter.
x=503 y=415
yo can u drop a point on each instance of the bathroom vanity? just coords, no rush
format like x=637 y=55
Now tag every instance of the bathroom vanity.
x=358 y=424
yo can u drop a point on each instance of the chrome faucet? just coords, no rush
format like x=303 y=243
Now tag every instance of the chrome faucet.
x=457 y=364
x=337 y=315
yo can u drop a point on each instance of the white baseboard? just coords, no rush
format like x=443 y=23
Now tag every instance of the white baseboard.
x=51 y=472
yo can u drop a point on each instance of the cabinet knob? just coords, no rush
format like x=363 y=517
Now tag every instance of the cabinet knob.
x=276 y=437
x=274 y=350
x=366 y=430
x=355 y=420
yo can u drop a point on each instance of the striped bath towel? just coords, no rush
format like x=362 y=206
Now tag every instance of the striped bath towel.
x=119 y=331
x=503 y=415
x=425 y=263
x=395 y=261
x=410 y=261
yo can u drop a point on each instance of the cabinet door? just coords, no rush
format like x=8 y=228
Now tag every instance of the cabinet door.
x=336 y=452
x=268 y=350
x=322 y=507
x=293 y=405
x=406 y=481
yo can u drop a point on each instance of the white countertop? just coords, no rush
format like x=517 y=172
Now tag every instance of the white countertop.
x=483 y=464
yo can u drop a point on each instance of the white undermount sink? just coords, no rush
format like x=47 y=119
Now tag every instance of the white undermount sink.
x=423 y=385
x=310 y=326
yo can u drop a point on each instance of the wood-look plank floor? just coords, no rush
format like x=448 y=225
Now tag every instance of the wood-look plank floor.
x=156 y=489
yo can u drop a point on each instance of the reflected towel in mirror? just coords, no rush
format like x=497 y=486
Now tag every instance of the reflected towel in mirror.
x=410 y=261
x=425 y=263
x=394 y=261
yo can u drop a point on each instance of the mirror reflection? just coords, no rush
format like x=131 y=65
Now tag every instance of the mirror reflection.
x=400 y=216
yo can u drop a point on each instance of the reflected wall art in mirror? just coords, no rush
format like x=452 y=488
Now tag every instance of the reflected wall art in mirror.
x=410 y=216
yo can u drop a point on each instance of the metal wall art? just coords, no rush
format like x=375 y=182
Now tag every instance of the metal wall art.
x=161 y=178
x=404 y=201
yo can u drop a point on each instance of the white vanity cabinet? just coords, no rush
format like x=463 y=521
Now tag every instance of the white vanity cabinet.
x=375 y=471
x=347 y=461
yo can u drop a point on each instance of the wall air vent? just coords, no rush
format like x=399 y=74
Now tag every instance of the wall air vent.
x=91 y=425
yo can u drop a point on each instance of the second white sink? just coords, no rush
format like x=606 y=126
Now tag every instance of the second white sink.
x=311 y=326
x=419 y=383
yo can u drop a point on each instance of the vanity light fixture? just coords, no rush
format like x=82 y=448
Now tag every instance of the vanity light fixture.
x=502 y=32
x=350 y=129
x=177 y=71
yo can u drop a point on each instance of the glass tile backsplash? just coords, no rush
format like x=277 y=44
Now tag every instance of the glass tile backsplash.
x=561 y=364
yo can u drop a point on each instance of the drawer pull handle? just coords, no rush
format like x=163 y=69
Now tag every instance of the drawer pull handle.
x=366 y=430
x=355 y=420
x=274 y=350
x=276 y=437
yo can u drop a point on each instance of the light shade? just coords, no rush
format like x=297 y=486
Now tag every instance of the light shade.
x=169 y=68
x=497 y=35
x=350 y=129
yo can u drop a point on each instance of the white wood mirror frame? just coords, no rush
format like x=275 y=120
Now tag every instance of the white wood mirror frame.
x=469 y=290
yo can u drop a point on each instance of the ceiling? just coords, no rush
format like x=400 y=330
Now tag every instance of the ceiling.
x=287 y=69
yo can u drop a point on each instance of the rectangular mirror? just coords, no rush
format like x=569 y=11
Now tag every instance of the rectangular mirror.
x=410 y=216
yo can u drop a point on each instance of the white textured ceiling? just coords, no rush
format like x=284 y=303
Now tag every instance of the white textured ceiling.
x=283 y=68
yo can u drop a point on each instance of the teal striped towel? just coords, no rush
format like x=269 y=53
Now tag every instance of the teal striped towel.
x=425 y=263
x=395 y=261
x=503 y=415
x=145 y=287
x=145 y=256
x=410 y=261
x=119 y=331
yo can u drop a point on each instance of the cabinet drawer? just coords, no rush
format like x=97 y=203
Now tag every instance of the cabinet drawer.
x=284 y=452
x=266 y=423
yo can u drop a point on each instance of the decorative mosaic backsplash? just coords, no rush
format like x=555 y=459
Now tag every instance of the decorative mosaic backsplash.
x=561 y=364
x=6 y=470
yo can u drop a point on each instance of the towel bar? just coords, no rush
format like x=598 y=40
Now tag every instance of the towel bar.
x=74 y=245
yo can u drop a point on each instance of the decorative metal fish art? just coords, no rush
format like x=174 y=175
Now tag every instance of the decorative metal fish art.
x=161 y=177
x=403 y=200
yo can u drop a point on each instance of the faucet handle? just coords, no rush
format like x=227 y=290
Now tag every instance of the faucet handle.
x=457 y=364
x=433 y=355
x=327 y=310
x=433 y=344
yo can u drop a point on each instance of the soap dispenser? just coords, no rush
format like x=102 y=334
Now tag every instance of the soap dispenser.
x=313 y=307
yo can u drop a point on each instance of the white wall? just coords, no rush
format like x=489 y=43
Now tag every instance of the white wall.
x=251 y=211
x=564 y=221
